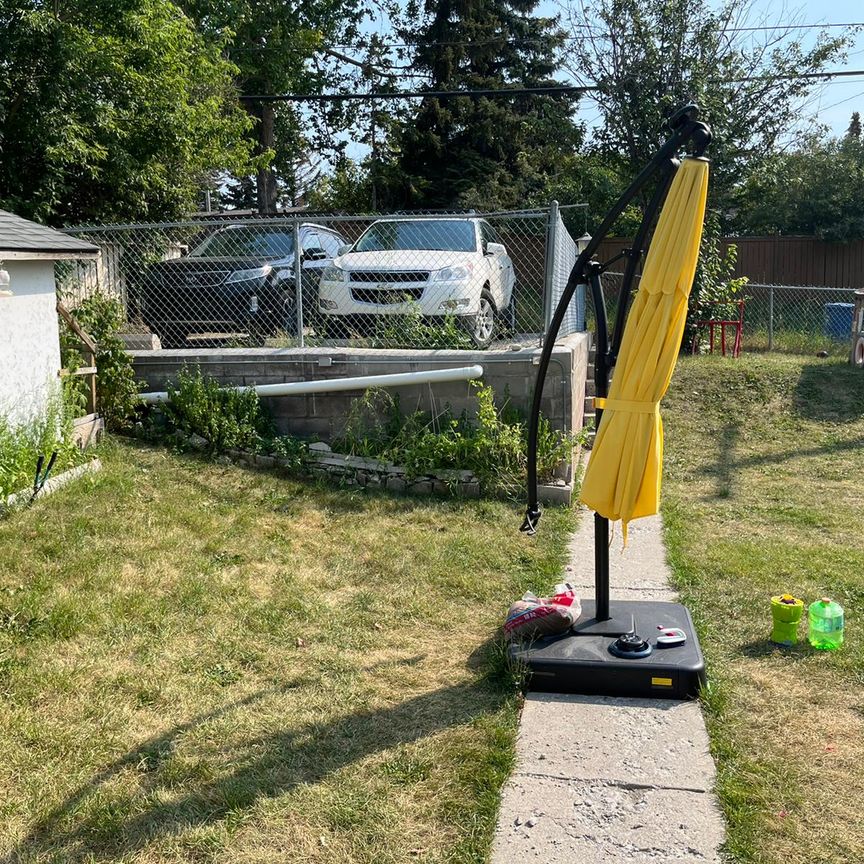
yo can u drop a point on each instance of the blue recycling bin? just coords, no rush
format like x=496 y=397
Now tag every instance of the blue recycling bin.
x=838 y=320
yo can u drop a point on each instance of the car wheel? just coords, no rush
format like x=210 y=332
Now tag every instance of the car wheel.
x=483 y=329
x=289 y=315
x=509 y=317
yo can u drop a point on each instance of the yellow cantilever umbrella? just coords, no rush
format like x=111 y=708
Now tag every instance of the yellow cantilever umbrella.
x=623 y=476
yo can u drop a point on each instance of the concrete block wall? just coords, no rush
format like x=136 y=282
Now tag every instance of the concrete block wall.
x=510 y=373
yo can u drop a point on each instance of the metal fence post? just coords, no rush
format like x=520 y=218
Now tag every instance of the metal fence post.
x=298 y=283
x=549 y=275
x=770 y=317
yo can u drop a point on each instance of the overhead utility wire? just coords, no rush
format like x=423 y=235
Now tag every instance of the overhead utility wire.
x=507 y=91
x=529 y=40
x=596 y=30
x=419 y=94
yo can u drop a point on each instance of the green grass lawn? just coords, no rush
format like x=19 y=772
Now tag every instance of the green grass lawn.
x=204 y=663
x=764 y=493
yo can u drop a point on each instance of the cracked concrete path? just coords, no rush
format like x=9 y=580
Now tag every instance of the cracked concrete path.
x=592 y=785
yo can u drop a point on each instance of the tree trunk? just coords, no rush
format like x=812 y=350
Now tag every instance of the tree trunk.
x=266 y=180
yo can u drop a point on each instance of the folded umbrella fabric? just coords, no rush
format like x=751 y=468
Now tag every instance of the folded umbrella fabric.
x=624 y=472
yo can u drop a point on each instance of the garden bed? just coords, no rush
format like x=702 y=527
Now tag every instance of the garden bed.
x=52 y=484
x=321 y=462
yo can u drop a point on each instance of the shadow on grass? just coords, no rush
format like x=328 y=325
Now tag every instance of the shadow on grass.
x=830 y=391
x=723 y=469
x=761 y=648
x=272 y=765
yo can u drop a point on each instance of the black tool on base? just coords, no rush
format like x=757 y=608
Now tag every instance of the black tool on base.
x=591 y=658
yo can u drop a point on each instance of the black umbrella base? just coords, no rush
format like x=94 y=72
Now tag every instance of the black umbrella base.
x=659 y=657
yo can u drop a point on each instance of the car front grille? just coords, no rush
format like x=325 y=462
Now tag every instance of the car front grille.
x=389 y=277
x=385 y=296
x=204 y=278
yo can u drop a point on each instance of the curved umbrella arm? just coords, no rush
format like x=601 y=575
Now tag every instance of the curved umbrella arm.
x=685 y=127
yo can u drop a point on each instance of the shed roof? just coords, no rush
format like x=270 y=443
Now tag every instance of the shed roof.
x=21 y=238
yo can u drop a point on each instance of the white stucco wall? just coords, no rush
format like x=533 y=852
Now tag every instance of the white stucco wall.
x=29 y=340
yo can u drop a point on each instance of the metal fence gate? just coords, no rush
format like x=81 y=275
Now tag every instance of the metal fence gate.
x=418 y=280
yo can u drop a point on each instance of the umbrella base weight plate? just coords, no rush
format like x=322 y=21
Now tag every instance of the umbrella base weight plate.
x=583 y=663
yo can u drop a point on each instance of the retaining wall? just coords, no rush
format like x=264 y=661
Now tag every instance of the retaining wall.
x=510 y=373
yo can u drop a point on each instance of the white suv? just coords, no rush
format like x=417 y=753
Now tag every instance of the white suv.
x=435 y=266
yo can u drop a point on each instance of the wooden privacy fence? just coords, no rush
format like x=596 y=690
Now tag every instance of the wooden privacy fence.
x=785 y=260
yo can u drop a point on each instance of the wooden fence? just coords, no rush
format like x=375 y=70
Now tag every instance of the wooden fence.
x=785 y=260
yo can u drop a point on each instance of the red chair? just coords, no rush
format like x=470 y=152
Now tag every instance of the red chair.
x=736 y=324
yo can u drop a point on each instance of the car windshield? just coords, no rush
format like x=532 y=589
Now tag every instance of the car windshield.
x=247 y=243
x=447 y=235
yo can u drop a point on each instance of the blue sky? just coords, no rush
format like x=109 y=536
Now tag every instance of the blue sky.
x=831 y=103
x=839 y=98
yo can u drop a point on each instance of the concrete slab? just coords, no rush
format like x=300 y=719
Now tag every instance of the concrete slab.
x=594 y=786
x=635 y=573
x=647 y=742
x=584 y=822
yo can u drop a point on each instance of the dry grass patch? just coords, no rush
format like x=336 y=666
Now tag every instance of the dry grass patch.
x=764 y=481
x=204 y=663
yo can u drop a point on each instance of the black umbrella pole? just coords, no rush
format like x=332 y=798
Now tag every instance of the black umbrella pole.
x=601 y=389
x=601 y=568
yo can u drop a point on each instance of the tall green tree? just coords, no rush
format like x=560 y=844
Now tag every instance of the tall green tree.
x=816 y=189
x=281 y=46
x=482 y=152
x=111 y=110
x=647 y=57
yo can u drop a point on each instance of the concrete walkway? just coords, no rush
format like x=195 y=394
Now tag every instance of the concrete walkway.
x=603 y=780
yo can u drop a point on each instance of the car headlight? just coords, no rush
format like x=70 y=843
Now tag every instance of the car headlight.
x=453 y=274
x=249 y=275
x=453 y=304
x=332 y=273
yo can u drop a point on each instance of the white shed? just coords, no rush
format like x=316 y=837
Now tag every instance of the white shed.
x=29 y=335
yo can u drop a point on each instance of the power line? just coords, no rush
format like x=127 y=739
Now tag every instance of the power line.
x=561 y=89
x=420 y=94
x=842 y=101
x=590 y=28
x=536 y=40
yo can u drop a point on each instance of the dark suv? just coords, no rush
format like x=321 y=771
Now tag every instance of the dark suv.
x=240 y=280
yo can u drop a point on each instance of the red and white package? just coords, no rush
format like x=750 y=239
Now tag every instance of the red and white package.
x=534 y=616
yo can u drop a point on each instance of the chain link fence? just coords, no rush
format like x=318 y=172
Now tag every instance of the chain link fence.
x=791 y=319
x=443 y=280
x=798 y=319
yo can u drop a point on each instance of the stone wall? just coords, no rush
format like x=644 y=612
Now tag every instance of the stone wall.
x=511 y=374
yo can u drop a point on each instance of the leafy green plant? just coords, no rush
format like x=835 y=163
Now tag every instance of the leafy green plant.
x=292 y=450
x=715 y=291
x=411 y=330
x=226 y=417
x=22 y=444
x=493 y=447
x=116 y=389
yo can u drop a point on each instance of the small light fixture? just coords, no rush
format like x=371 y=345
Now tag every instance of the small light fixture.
x=5 y=282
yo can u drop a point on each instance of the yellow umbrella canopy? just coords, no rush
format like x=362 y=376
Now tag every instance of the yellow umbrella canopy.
x=623 y=476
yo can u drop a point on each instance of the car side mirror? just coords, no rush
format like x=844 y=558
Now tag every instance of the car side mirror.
x=315 y=255
x=495 y=249
x=345 y=247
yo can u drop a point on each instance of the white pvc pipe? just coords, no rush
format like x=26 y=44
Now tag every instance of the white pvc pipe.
x=333 y=385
